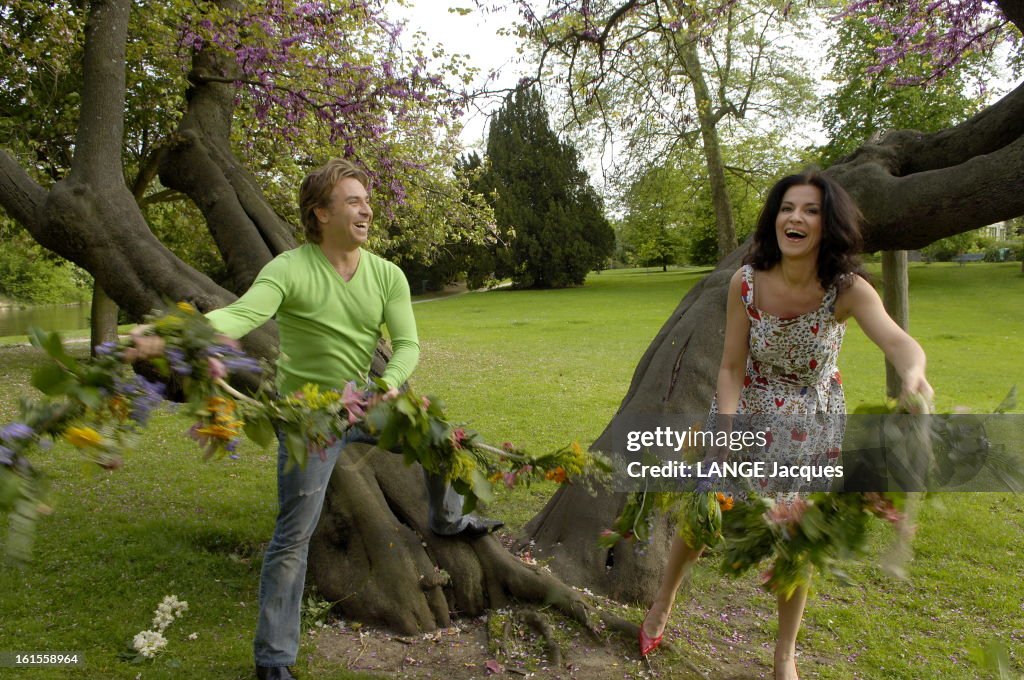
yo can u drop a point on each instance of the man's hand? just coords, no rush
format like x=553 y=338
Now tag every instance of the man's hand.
x=390 y=394
x=145 y=345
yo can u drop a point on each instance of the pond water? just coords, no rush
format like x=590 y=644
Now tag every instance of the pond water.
x=17 y=320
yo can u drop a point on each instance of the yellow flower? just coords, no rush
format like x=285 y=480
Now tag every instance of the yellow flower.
x=186 y=307
x=724 y=502
x=219 y=432
x=220 y=405
x=83 y=437
x=311 y=397
x=575 y=465
x=556 y=475
x=119 y=407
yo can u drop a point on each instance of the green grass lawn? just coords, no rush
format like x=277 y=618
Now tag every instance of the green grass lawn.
x=540 y=369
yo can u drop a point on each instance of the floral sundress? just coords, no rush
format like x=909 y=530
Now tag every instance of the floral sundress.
x=792 y=389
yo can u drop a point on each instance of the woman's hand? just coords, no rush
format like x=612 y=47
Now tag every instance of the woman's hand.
x=917 y=395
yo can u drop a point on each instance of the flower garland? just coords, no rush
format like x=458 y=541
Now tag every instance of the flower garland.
x=794 y=534
x=819 y=530
x=99 y=406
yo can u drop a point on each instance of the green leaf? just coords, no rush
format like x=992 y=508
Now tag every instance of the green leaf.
x=97 y=376
x=260 y=430
x=481 y=487
x=53 y=346
x=403 y=406
x=90 y=396
x=295 y=443
x=51 y=380
x=377 y=419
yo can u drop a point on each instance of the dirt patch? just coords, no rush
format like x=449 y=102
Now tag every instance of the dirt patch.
x=463 y=652
x=468 y=652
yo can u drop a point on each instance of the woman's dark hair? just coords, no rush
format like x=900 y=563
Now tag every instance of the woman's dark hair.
x=841 y=240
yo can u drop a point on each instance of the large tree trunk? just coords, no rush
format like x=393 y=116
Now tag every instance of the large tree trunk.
x=102 y=318
x=201 y=164
x=676 y=375
x=373 y=553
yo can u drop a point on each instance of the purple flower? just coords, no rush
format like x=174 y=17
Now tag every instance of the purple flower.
x=6 y=455
x=177 y=360
x=245 y=364
x=17 y=431
x=143 y=395
x=221 y=350
x=105 y=349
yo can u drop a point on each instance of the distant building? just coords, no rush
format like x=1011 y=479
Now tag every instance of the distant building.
x=999 y=231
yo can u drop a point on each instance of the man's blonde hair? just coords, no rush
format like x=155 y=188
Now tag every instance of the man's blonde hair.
x=316 y=188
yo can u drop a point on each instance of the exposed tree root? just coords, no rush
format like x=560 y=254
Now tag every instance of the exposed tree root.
x=539 y=624
x=374 y=554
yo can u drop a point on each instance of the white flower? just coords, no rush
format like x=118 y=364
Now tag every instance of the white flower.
x=168 y=610
x=162 y=620
x=175 y=606
x=148 y=643
x=193 y=636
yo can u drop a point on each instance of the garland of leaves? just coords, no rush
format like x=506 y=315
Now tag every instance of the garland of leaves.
x=795 y=534
x=101 y=405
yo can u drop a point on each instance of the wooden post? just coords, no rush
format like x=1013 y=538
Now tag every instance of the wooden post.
x=895 y=297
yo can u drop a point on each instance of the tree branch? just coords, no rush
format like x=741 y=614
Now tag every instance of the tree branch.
x=911 y=211
x=910 y=152
x=20 y=196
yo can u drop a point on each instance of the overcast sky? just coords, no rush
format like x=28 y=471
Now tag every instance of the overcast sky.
x=475 y=35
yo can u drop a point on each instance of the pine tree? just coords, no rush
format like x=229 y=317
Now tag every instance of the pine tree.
x=543 y=202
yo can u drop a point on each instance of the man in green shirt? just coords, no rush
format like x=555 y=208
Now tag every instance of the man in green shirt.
x=330 y=298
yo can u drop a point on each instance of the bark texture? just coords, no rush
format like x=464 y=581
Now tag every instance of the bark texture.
x=373 y=553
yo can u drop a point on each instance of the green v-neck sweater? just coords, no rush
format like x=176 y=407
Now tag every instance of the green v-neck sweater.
x=328 y=327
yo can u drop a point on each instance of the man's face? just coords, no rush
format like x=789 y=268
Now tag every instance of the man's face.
x=346 y=219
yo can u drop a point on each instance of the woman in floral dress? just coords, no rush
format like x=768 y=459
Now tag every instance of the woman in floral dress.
x=786 y=316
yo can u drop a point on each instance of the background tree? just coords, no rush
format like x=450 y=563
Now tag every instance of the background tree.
x=463 y=257
x=652 y=229
x=678 y=192
x=544 y=205
x=871 y=100
x=654 y=77
x=31 y=274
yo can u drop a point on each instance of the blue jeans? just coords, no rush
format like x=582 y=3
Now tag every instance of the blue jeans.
x=300 y=497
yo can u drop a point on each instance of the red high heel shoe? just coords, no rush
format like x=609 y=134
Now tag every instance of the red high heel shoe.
x=647 y=643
